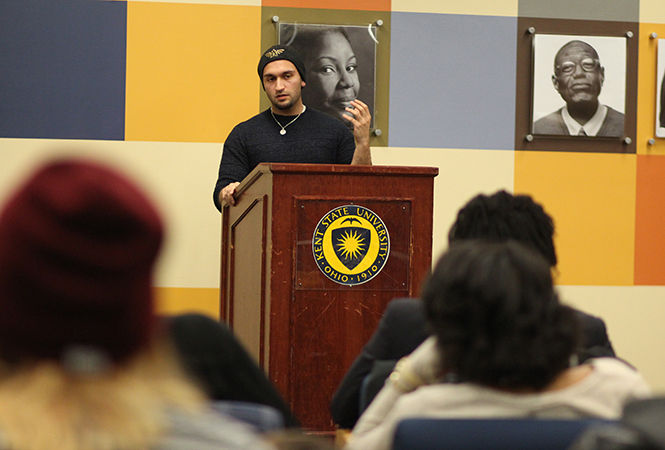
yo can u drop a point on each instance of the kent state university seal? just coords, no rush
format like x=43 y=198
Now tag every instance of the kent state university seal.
x=351 y=245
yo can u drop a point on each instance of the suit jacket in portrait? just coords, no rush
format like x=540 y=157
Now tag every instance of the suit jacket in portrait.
x=553 y=124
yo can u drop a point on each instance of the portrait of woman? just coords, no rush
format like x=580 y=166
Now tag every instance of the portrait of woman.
x=339 y=62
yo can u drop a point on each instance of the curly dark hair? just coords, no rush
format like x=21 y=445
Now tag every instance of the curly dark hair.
x=497 y=317
x=501 y=217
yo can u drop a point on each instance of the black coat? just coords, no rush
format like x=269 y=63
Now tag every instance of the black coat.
x=402 y=328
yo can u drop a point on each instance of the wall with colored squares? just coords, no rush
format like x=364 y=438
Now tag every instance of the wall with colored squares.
x=154 y=88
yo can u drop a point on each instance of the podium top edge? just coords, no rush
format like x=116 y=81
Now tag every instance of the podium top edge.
x=346 y=168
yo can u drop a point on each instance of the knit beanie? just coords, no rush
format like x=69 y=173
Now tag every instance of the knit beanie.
x=277 y=52
x=77 y=246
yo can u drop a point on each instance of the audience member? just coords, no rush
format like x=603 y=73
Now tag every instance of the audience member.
x=503 y=342
x=497 y=218
x=83 y=364
x=220 y=364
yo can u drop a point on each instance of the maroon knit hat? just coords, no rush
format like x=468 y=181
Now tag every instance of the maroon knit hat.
x=77 y=246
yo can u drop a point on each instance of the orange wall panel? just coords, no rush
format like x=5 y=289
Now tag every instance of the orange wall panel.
x=650 y=221
x=357 y=5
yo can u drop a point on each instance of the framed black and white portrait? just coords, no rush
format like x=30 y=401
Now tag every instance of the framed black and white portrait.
x=579 y=85
x=660 y=90
x=340 y=64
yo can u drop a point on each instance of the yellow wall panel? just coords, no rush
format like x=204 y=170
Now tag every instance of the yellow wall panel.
x=191 y=70
x=646 y=89
x=592 y=200
x=473 y=7
x=173 y=300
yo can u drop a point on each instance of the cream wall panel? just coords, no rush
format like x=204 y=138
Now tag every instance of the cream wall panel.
x=652 y=11
x=473 y=7
x=463 y=173
x=179 y=177
x=634 y=316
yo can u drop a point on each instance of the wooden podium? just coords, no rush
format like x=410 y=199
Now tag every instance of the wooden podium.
x=286 y=299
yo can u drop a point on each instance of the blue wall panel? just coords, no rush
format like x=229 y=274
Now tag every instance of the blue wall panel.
x=62 y=69
x=452 y=81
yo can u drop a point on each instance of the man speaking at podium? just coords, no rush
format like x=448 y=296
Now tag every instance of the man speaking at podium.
x=289 y=131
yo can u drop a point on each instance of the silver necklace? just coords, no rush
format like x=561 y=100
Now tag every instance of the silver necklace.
x=283 y=127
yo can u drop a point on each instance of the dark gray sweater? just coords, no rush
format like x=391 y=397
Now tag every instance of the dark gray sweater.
x=313 y=138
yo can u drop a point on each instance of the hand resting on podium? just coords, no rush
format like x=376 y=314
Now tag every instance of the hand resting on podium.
x=226 y=194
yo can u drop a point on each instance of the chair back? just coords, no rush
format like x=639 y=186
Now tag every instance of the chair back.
x=263 y=418
x=489 y=434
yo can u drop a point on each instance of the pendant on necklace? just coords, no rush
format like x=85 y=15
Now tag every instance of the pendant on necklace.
x=282 y=131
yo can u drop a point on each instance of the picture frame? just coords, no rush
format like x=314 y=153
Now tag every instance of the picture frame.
x=552 y=88
x=380 y=24
x=660 y=90
x=527 y=29
x=340 y=61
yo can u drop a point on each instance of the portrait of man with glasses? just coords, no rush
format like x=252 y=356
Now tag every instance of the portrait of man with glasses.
x=578 y=78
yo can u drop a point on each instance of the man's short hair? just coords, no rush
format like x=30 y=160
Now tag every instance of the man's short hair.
x=502 y=217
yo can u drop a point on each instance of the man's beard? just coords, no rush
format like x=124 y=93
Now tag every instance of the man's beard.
x=285 y=106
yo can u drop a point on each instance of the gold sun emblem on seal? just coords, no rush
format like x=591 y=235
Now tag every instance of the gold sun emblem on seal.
x=351 y=244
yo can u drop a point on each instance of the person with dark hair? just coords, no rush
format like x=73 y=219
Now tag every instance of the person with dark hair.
x=498 y=218
x=332 y=68
x=503 y=216
x=578 y=77
x=216 y=359
x=501 y=347
x=288 y=131
x=83 y=361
